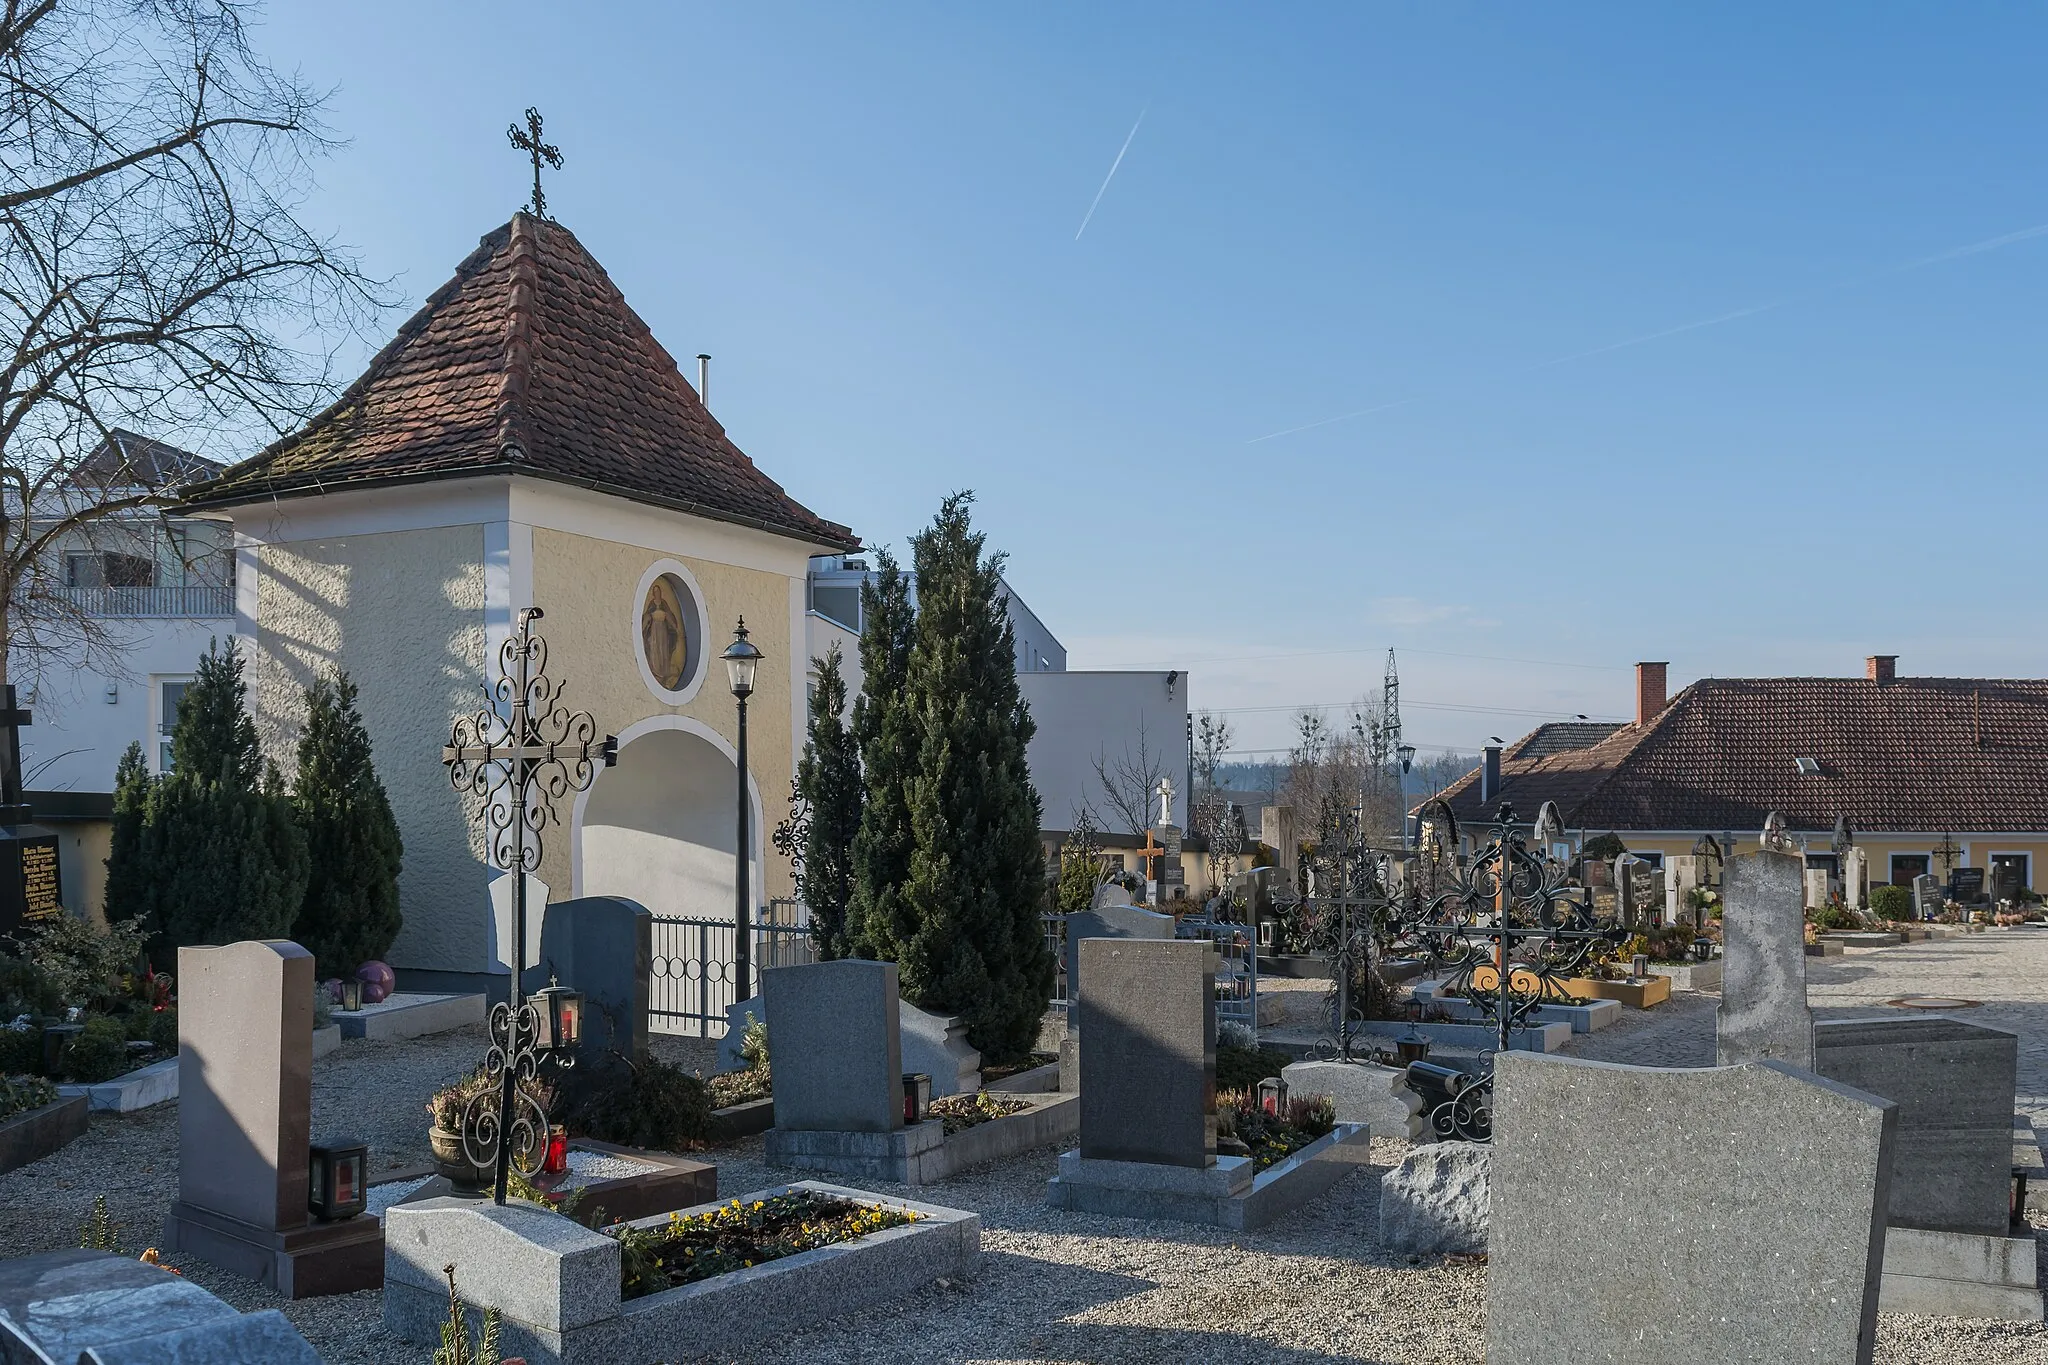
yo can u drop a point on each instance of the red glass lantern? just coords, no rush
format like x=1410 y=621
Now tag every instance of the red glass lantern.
x=561 y=1017
x=335 y=1188
x=557 y=1159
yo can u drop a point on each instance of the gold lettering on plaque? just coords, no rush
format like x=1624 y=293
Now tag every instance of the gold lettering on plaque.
x=39 y=881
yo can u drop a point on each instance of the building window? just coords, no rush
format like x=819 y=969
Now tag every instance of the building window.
x=169 y=693
x=1655 y=860
x=1906 y=866
x=108 y=570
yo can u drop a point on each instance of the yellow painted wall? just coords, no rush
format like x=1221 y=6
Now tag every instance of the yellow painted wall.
x=589 y=587
x=1878 y=848
x=82 y=849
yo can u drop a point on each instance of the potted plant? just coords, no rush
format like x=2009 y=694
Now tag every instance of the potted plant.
x=447 y=1107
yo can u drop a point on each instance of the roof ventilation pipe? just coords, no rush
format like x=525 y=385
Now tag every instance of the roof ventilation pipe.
x=704 y=380
x=1489 y=773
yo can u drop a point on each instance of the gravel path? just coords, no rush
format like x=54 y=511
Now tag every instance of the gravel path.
x=1058 y=1287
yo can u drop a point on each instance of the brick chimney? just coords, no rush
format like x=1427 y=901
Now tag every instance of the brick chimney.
x=1650 y=691
x=1881 y=668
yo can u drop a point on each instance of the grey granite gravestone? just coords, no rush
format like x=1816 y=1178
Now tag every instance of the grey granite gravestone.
x=936 y=1045
x=1148 y=1051
x=1763 y=1014
x=604 y=947
x=102 y=1308
x=834 y=1031
x=245 y=1100
x=1779 y=1252
x=1954 y=1083
x=1362 y=1092
x=1927 y=896
x=1437 y=1201
x=1104 y=921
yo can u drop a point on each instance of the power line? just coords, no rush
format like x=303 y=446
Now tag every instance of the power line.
x=1421 y=705
x=1333 y=653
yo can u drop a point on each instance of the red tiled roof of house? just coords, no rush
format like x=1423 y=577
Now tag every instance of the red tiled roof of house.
x=1915 y=754
x=529 y=361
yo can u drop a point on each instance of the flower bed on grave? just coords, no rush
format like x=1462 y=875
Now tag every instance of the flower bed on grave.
x=1267 y=1138
x=958 y=1113
x=729 y=1088
x=737 y=1236
x=79 y=1006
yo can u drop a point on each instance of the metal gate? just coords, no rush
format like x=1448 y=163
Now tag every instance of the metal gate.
x=692 y=977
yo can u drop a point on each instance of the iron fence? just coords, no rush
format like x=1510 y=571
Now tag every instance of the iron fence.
x=692 y=978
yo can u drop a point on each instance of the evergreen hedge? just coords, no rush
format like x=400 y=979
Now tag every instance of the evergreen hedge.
x=349 y=914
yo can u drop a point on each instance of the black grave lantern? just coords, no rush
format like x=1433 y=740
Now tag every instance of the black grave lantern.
x=57 y=1040
x=351 y=990
x=335 y=1187
x=1273 y=1096
x=1703 y=949
x=917 y=1096
x=561 y=1017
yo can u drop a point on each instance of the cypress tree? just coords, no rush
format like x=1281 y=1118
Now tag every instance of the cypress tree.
x=830 y=782
x=977 y=876
x=219 y=844
x=128 y=879
x=877 y=922
x=350 y=912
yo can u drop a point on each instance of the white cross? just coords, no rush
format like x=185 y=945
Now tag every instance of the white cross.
x=1165 y=800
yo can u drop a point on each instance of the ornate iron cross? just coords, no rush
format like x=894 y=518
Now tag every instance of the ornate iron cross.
x=529 y=141
x=519 y=753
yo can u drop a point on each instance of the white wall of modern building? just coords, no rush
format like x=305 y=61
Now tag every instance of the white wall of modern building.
x=1086 y=715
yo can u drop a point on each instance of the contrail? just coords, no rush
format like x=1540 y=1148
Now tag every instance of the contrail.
x=1900 y=268
x=1112 y=173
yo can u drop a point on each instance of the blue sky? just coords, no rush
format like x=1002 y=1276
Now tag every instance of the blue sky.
x=869 y=217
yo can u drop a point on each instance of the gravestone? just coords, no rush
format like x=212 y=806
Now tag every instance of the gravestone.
x=937 y=1046
x=1927 y=897
x=245 y=1099
x=1855 y=876
x=2005 y=882
x=101 y=1308
x=1763 y=1014
x=1777 y=1254
x=1681 y=875
x=1816 y=887
x=834 y=1031
x=31 y=888
x=1118 y=921
x=1966 y=884
x=1362 y=1092
x=604 y=947
x=1276 y=831
x=1954 y=1083
x=1437 y=1201
x=1627 y=904
x=1148 y=1051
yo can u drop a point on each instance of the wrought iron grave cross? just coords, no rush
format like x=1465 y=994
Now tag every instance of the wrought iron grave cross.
x=529 y=141
x=518 y=754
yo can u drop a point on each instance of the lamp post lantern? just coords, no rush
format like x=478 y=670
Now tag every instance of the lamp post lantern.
x=742 y=658
x=1406 y=753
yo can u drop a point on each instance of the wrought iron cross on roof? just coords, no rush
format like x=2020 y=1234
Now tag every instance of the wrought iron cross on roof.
x=529 y=141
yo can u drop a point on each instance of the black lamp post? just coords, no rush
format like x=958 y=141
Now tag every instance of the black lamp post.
x=1406 y=753
x=741 y=659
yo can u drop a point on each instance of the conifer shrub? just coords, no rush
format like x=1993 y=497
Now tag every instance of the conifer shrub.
x=350 y=912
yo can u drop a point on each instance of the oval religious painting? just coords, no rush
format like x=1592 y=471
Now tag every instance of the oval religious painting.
x=663 y=632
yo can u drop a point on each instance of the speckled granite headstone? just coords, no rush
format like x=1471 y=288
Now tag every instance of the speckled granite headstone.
x=1768 y=1250
x=834 y=1032
x=1147 y=1051
x=1763 y=1015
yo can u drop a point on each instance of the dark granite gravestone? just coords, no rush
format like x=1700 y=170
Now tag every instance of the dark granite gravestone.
x=604 y=947
x=834 y=1031
x=2005 y=882
x=1109 y=921
x=30 y=885
x=1966 y=884
x=1148 y=1051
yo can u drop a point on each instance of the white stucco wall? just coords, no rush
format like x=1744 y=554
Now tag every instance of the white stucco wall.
x=78 y=733
x=1083 y=715
x=403 y=611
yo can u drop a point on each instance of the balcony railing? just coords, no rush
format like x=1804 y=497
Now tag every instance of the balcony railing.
x=189 y=600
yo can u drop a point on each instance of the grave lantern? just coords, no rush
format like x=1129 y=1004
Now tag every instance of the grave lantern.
x=1413 y=1045
x=334 y=1184
x=57 y=1040
x=557 y=1159
x=1703 y=950
x=1273 y=1096
x=917 y=1096
x=351 y=992
x=1639 y=966
x=560 y=1010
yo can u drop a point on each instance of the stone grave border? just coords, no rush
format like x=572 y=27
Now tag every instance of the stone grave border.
x=1187 y=1194
x=142 y=1088
x=410 y=1014
x=36 y=1133
x=922 y=1154
x=556 y=1283
x=1587 y=1016
x=1690 y=976
x=737 y=1121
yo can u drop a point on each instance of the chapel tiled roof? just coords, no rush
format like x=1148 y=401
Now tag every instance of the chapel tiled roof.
x=1915 y=754
x=529 y=361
